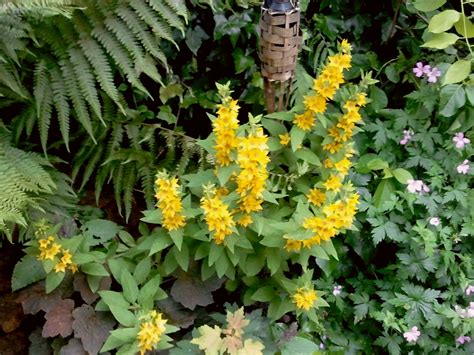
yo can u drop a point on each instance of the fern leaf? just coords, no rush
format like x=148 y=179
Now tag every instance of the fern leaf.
x=159 y=27
x=118 y=186
x=61 y=103
x=103 y=72
x=84 y=74
x=76 y=97
x=9 y=78
x=124 y=36
x=168 y=14
x=44 y=117
x=41 y=84
x=141 y=32
x=129 y=180
x=91 y=165
x=178 y=6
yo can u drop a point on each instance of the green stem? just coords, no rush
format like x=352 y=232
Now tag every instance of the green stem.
x=465 y=27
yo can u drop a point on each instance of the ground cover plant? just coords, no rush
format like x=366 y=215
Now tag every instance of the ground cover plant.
x=159 y=208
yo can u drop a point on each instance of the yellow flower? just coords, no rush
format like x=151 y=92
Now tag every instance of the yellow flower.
x=225 y=127
x=66 y=258
x=284 y=139
x=252 y=158
x=43 y=243
x=60 y=267
x=218 y=217
x=328 y=164
x=304 y=298
x=333 y=183
x=345 y=46
x=50 y=252
x=324 y=88
x=343 y=166
x=316 y=197
x=73 y=267
x=361 y=99
x=304 y=121
x=341 y=60
x=293 y=245
x=150 y=331
x=323 y=228
x=169 y=203
x=333 y=147
x=315 y=103
x=245 y=220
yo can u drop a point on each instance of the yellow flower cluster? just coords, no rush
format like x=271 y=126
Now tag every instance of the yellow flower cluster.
x=169 y=203
x=252 y=159
x=218 y=217
x=225 y=127
x=151 y=330
x=49 y=250
x=304 y=298
x=342 y=131
x=325 y=87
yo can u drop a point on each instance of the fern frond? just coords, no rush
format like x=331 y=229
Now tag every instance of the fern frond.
x=118 y=186
x=129 y=180
x=44 y=117
x=61 y=103
x=141 y=32
x=91 y=165
x=159 y=27
x=84 y=74
x=9 y=77
x=168 y=14
x=77 y=100
x=124 y=36
x=102 y=69
x=178 y=6
x=41 y=84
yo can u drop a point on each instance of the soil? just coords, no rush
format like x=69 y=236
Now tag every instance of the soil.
x=14 y=325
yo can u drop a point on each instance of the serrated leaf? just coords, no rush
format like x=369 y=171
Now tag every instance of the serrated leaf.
x=59 y=319
x=209 y=340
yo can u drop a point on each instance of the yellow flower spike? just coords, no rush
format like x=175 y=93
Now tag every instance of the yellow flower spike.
x=293 y=245
x=361 y=99
x=51 y=252
x=218 y=217
x=169 y=202
x=245 y=220
x=150 y=332
x=315 y=103
x=304 y=298
x=345 y=46
x=225 y=127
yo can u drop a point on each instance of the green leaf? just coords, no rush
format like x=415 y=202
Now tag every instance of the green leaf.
x=146 y=295
x=378 y=97
x=119 y=307
x=402 y=175
x=222 y=264
x=443 y=21
x=428 y=5
x=297 y=136
x=194 y=38
x=464 y=27
x=457 y=72
x=119 y=337
x=181 y=256
x=308 y=155
x=254 y=264
x=27 y=271
x=377 y=164
x=224 y=173
x=142 y=270
x=273 y=127
x=453 y=97
x=129 y=286
x=441 y=40
x=264 y=294
x=170 y=91
x=383 y=193
x=103 y=229
x=299 y=345
x=160 y=242
x=53 y=280
x=94 y=269
x=177 y=237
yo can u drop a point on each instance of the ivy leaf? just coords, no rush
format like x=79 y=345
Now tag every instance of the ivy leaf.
x=92 y=327
x=59 y=319
x=210 y=340
x=194 y=38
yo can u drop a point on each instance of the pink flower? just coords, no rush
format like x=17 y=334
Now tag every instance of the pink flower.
x=412 y=334
x=421 y=69
x=407 y=134
x=337 y=290
x=434 y=221
x=460 y=140
x=469 y=290
x=463 y=168
x=414 y=185
x=433 y=75
x=463 y=339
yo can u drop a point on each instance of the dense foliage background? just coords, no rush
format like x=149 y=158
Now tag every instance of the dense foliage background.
x=96 y=97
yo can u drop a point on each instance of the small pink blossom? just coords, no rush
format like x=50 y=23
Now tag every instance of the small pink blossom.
x=463 y=339
x=460 y=140
x=433 y=75
x=434 y=221
x=463 y=168
x=407 y=134
x=337 y=290
x=414 y=185
x=412 y=335
x=469 y=290
x=421 y=69
x=321 y=346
